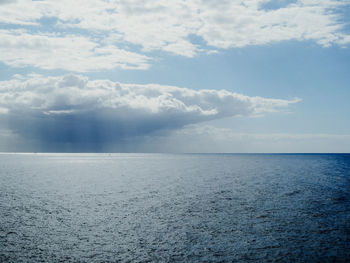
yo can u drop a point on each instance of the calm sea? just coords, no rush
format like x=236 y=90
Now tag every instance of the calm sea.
x=174 y=208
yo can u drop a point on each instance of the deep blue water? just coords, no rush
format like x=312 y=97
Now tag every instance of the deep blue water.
x=174 y=208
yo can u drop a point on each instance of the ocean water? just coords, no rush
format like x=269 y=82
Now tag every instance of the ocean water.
x=174 y=208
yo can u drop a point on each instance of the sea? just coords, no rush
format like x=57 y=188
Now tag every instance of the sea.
x=174 y=207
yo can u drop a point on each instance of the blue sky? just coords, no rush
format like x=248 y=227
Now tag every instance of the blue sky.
x=179 y=76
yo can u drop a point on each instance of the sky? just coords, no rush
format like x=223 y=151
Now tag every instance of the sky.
x=175 y=76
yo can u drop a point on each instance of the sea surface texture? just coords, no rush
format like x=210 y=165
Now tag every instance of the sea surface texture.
x=174 y=208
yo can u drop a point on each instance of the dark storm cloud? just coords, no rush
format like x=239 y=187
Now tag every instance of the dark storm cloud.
x=72 y=110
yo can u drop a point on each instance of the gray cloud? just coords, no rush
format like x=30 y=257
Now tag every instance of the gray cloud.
x=2 y=2
x=90 y=114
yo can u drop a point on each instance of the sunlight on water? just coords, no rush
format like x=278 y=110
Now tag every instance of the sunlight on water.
x=174 y=208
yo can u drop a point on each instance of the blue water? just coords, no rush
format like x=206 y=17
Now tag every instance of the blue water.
x=174 y=208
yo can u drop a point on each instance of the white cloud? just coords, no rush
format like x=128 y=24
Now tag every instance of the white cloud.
x=78 y=94
x=3 y=110
x=19 y=48
x=169 y=26
x=69 y=108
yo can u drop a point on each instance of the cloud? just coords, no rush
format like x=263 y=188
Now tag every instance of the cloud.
x=74 y=110
x=239 y=24
x=100 y=28
x=2 y=2
x=18 y=48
